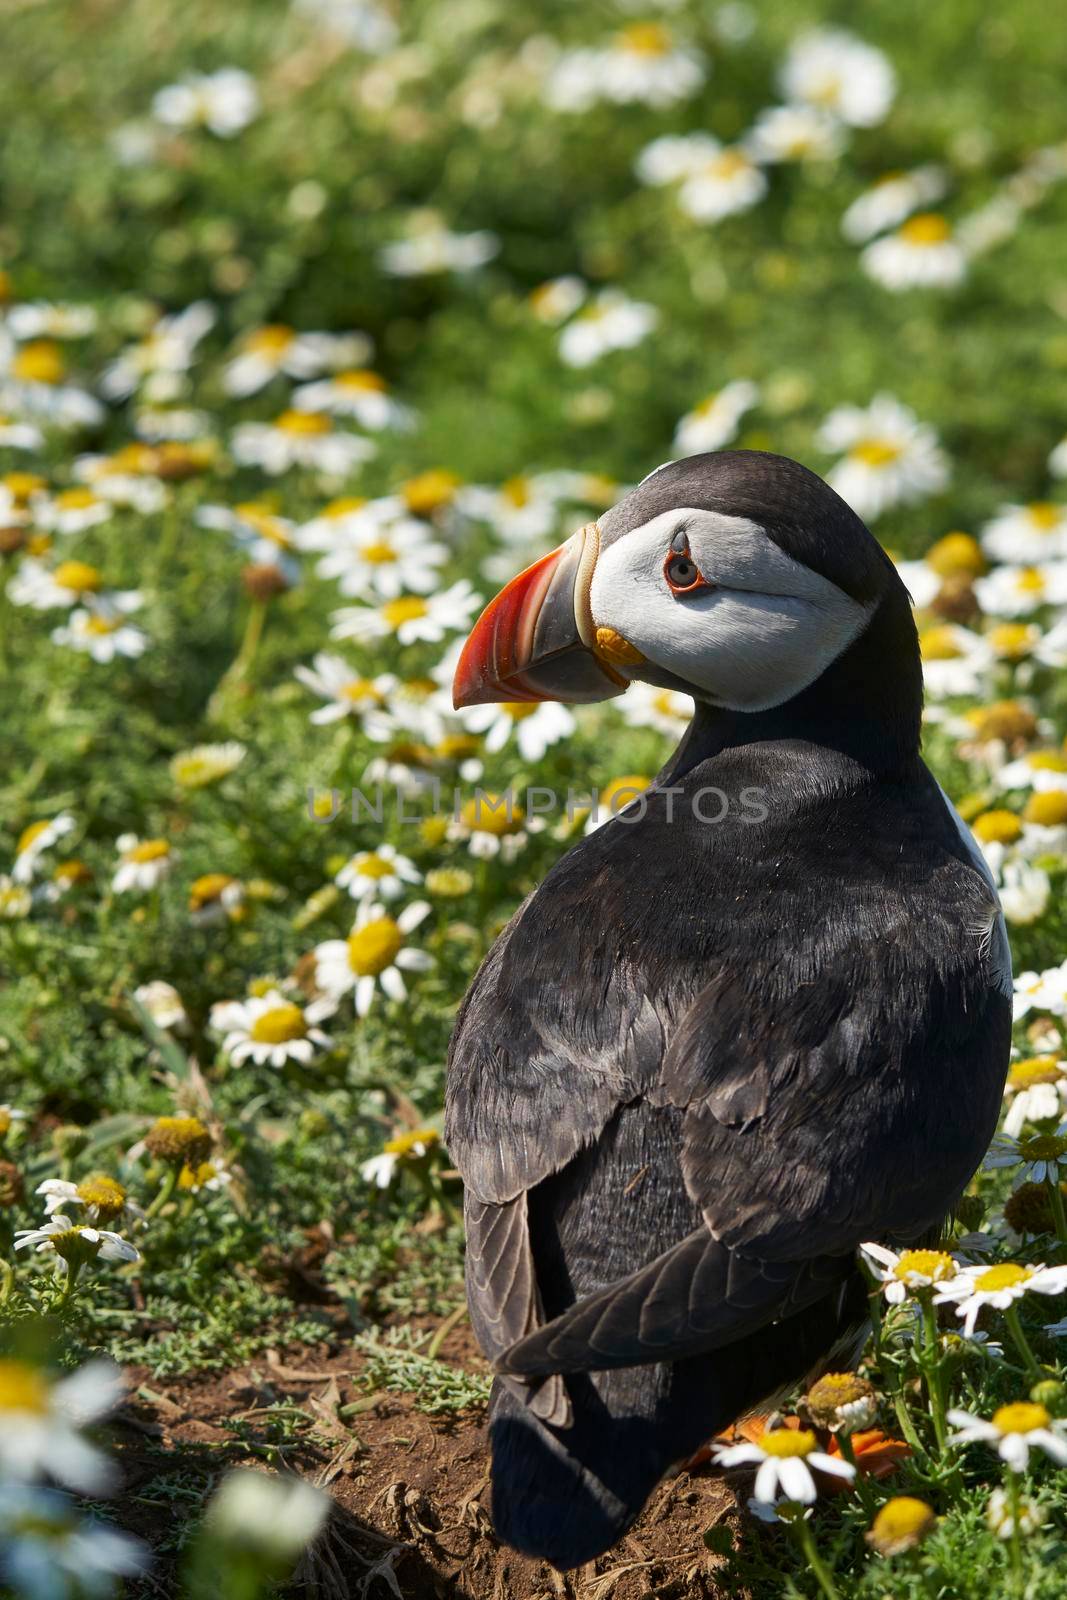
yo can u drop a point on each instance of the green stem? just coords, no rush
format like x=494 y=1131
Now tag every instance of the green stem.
x=907 y=1427
x=7 y=1281
x=1055 y=1196
x=1033 y=1370
x=241 y=665
x=166 y=1189
x=823 y=1575
x=935 y=1377
x=1016 y=1546
x=73 y=1269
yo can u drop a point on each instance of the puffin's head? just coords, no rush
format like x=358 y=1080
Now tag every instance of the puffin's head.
x=737 y=577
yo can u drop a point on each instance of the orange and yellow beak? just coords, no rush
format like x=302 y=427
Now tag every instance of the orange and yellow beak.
x=536 y=640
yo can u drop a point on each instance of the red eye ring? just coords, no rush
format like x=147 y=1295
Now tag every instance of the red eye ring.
x=682 y=574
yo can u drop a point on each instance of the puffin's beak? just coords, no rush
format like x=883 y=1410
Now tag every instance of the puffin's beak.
x=536 y=640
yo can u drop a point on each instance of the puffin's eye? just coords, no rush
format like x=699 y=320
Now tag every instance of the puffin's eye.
x=680 y=570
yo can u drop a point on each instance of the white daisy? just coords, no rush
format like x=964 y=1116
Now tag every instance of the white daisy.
x=713 y=423
x=363 y=24
x=999 y=1286
x=956 y=660
x=610 y=321
x=1036 y=1091
x=102 y=633
x=383 y=554
x=491 y=825
x=16 y=901
x=922 y=254
x=357 y=393
x=1015 y=591
x=104 y=1199
x=255 y=527
x=33 y=383
x=205 y=764
x=20 y=435
x=557 y=299
x=276 y=349
x=1024 y=892
x=891 y=457
x=41 y=1423
x=535 y=724
x=1001 y=1515
x=34 y=841
x=210 y=1176
x=346 y=693
x=380 y=873
x=890 y=200
x=785 y=1458
x=143 y=864
x=40 y=319
x=841 y=74
x=665 y=710
x=431 y=248
x=215 y=899
x=225 y=102
x=74 y=1244
x=1044 y=771
x=672 y=157
x=277 y=1516
x=1033 y=533
x=166 y=352
x=614 y=798
x=1015 y=1430
x=299 y=439
x=73 y=510
x=1041 y=991
x=642 y=65
x=523 y=510
x=795 y=133
x=48 y=588
x=902 y=1272
x=382 y=1169
x=1057 y=461
x=271 y=1030
x=49 y=1550
x=375 y=953
x=1040 y=1157
x=728 y=182
x=412 y=618
x=163 y=1003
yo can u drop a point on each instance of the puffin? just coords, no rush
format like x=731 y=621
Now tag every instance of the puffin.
x=759 y=1017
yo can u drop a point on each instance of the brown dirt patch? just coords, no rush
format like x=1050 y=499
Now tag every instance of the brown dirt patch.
x=411 y=1491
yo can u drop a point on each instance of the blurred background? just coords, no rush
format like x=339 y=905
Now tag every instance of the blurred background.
x=348 y=127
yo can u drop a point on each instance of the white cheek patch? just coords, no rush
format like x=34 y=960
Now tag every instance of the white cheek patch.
x=766 y=629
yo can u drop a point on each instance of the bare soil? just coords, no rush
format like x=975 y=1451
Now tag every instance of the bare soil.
x=411 y=1492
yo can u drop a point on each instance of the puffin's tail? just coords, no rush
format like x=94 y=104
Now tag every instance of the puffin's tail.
x=567 y=1495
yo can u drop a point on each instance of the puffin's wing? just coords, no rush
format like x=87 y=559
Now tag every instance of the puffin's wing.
x=816 y=1118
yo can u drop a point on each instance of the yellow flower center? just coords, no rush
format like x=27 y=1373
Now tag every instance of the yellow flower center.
x=1022 y=1417
x=379 y=553
x=262 y=520
x=1048 y=760
x=77 y=576
x=21 y=485
x=343 y=506
x=405 y=1143
x=1030 y=581
x=939 y=644
x=621 y=791
x=956 y=553
x=1045 y=515
x=787 y=1442
x=358 y=689
x=491 y=813
x=40 y=361
x=407 y=609
x=374 y=947
x=272 y=340
x=22 y=1388
x=876 y=452
x=210 y=887
x=196 y=1177
x=516 y=491
x=303 y=424
x=645 y=39
x=456 y=746
x=1047 y=810
x=278 y=1025
x=933 y=1265
x=1012 y=638
x=373 y=866
x=900 y=1524
x=925 y=229
x=1008 y=1275
x=27 y=837
x=71 y=872
x=728 y=163
x=997 y=827
x=99 y=625
x=429 y=490
x=104 y=1193
x=1043 y=1147
x=362 y=381
x=1038 y=1069
x=75 y=499
x=148 y=850
x=519 y=710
